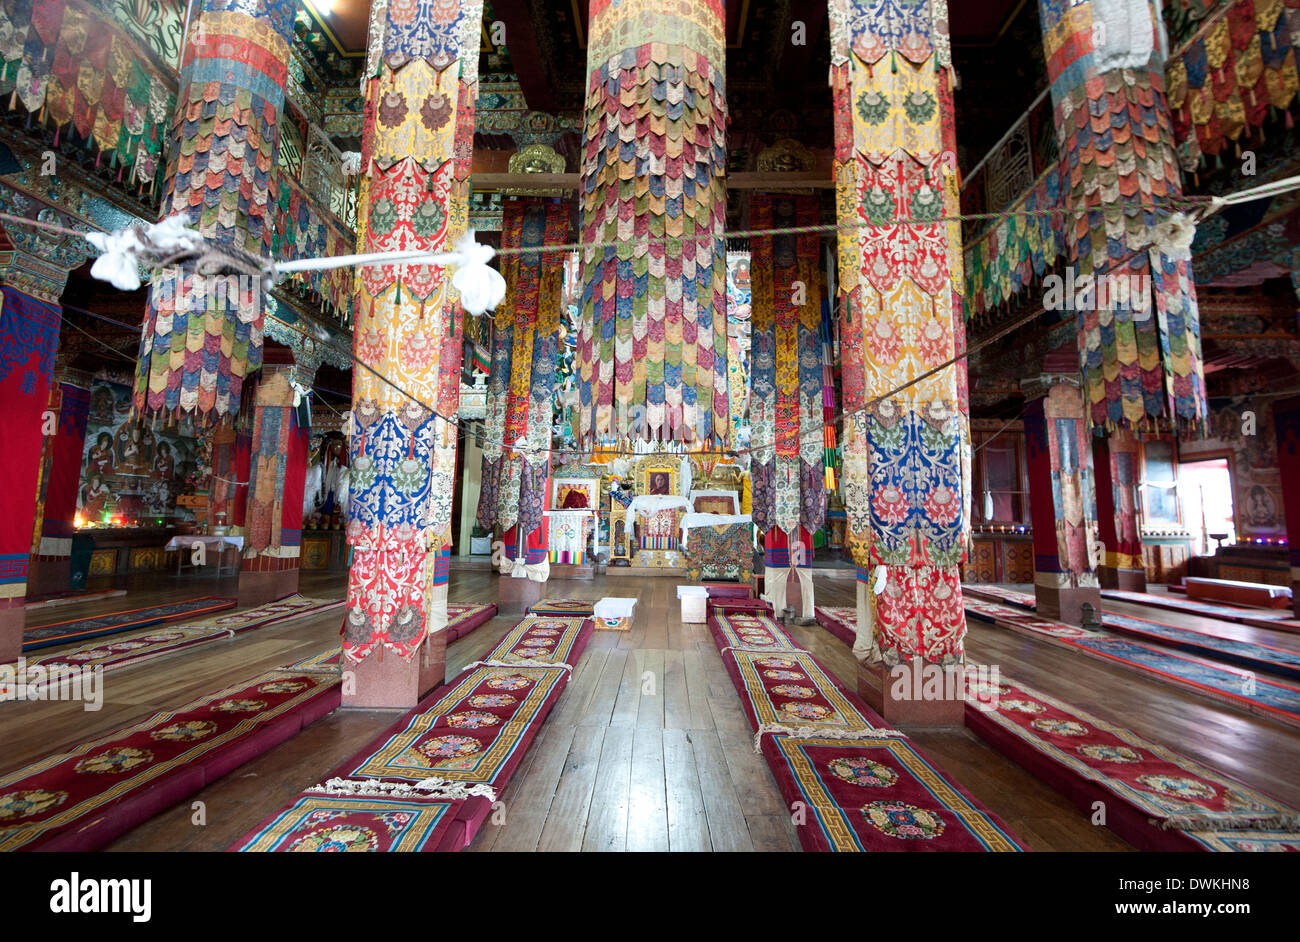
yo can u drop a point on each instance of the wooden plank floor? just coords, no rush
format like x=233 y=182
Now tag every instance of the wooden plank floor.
x=648 y=748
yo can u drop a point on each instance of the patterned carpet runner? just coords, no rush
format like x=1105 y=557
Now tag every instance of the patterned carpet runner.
x=1240 y=688
x=462 y=619
x=563 y=607
x=81 y=799
x=148 y=644
x=860 y=787
x=79 y=629
x=1273 y=619
x=441 y=766
x=1252 y=654
x=1156 y=799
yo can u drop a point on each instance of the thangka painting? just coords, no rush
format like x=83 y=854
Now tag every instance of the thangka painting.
x=130 y=470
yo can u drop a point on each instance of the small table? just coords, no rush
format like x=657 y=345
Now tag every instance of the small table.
x=219 y=543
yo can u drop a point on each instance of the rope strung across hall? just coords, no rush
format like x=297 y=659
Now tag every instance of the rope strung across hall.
x=170 y=242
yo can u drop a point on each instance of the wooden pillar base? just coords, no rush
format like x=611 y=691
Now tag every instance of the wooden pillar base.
x=915 y=694
x=258 y=588
x=514 y=596
x=11 y=628
x=49 y=575
x=389 y=682
x=1066 y=603
x=1127 y=580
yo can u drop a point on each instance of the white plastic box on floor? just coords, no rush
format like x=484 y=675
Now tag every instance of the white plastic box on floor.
x=695 y=603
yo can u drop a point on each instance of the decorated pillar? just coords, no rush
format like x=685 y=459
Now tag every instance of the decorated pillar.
x=1062 y=499
x=1286 y=424
x=1115 y=464
x=521 y=387
x=33 y=272
x=231 y=448
x=276 y=480
x=653 y=337
x=1138 y=326
x=786 y=405
x=406 y=331
x=899 y=283
x=64 y=428
x=202 y=335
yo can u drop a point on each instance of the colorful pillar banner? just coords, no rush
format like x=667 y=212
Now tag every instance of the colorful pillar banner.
x=516 y=454
x=1139 y=327
x=787 y=409
x=422 y=61
x=899 y=283
x=203 y=335
x=653 y=337
x=29 y=337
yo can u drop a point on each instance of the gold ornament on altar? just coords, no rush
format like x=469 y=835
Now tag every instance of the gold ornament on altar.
x=786 y=156
x=534 y=158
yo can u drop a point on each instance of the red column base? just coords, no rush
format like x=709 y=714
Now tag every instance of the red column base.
x=915 y=694
x=260 y=587
x=11 y=628
x=1127 y=580
x=514 y=596
x=389 y=682
x=1066 y=603
x=49 y=575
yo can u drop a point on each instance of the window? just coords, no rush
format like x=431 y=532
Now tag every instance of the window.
x=998 y=470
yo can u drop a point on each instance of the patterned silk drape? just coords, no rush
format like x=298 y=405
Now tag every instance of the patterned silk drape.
x=653 y=338
x=1140 y=357
x=403 y=456
x=200 y=337
x=786 y=411
x=900 y=274
x=525 y=347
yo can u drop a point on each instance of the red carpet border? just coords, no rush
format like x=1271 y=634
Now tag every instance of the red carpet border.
x=81 y=799
x=148 y=644
x=1244 y=690
x=429 y=782
x=856 y=785
x=64 y=632
x=1155 y=798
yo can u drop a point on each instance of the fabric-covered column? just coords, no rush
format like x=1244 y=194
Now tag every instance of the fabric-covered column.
x=277 y=476
x=34 y=268
x=1062 y=502
x=70 y=403
x=202 y=335
x=653 y=336
x=1139 y=330
x=1114 y=464
x=787 y=401
x=1286 y=425
x=899 y=278
x=29 y=335
x=517 y=450
x=403 y=455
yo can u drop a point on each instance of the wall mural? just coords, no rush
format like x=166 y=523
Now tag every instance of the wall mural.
x=156 y=24
x=130 y=472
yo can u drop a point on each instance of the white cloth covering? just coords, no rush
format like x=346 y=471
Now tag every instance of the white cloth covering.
x=648 y=504
x=614 y=608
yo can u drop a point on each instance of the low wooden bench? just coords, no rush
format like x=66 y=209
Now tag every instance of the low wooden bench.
x=1238 y=593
